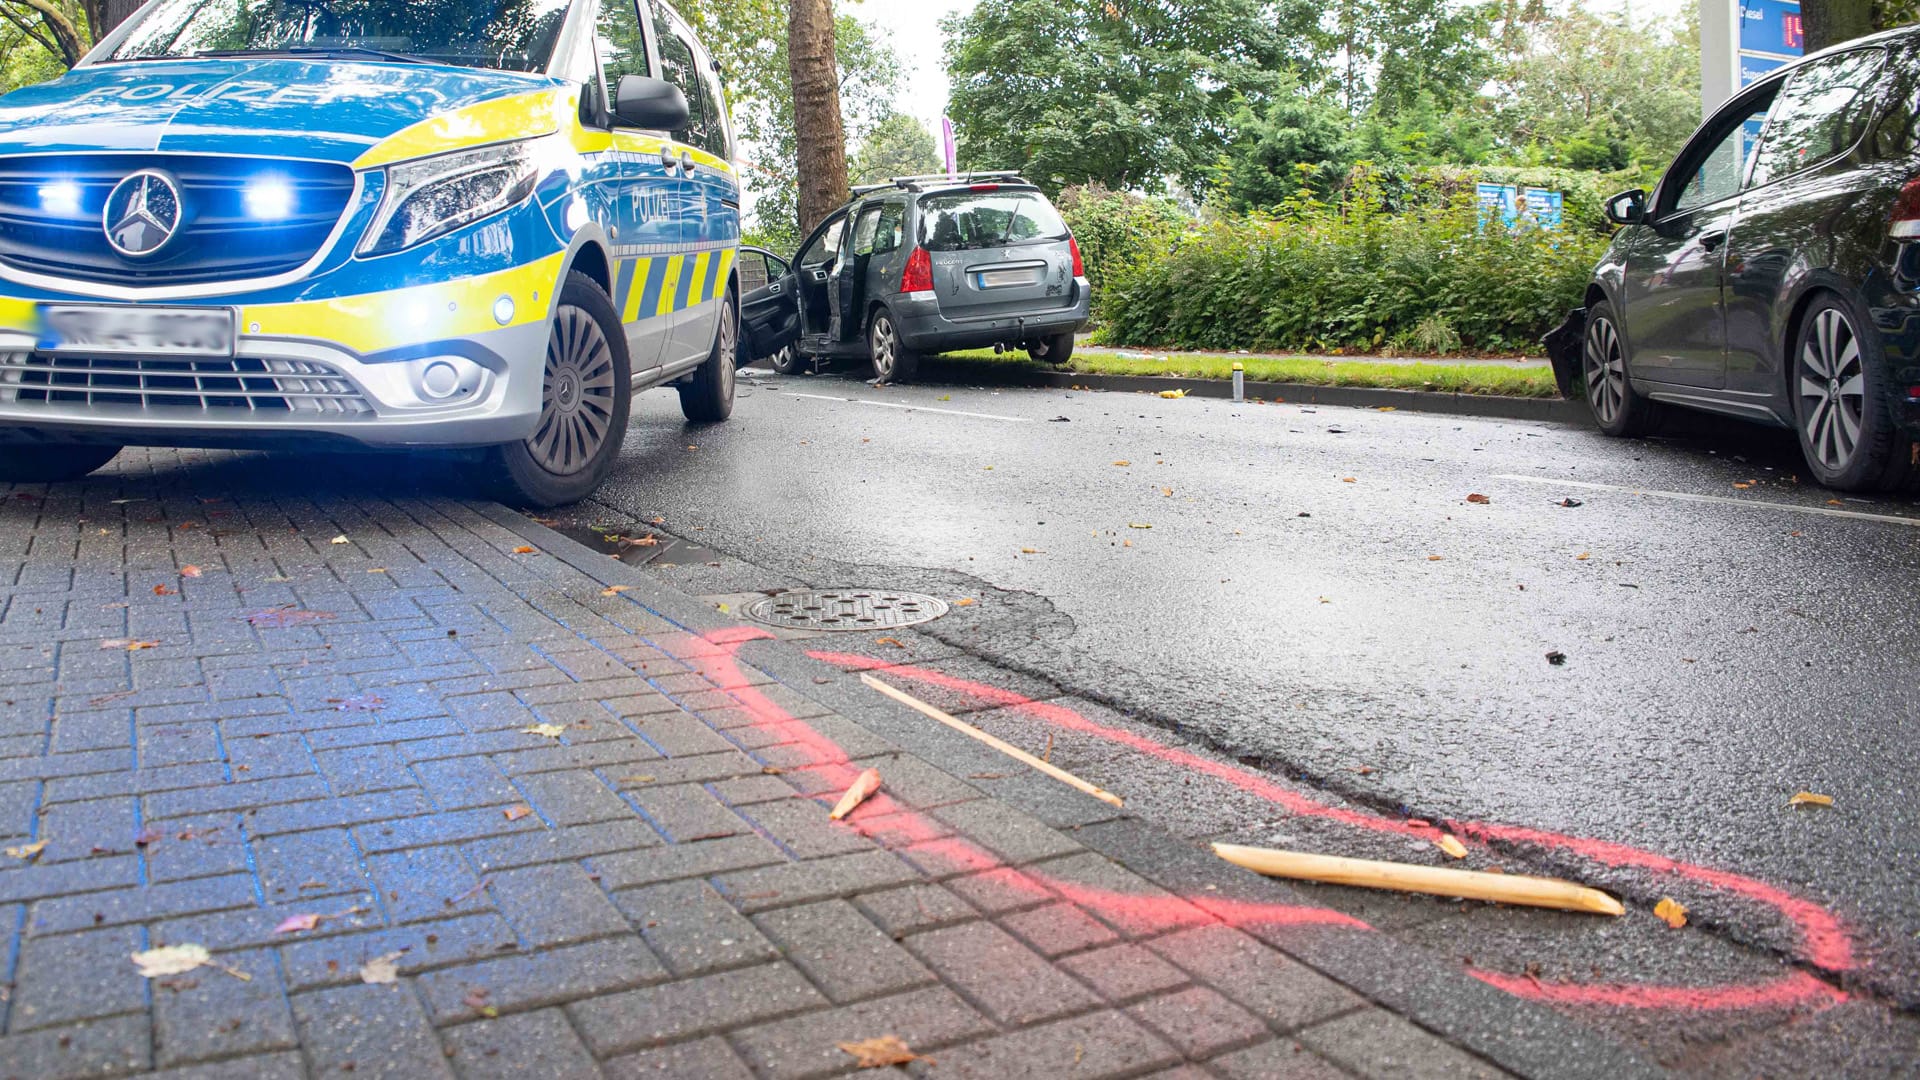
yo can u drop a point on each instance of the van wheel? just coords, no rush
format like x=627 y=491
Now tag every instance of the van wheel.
x=1057 y=349
x=41 y=463
x=1840 y=408
x=785 y=362
x=708 y=399
x=585 y=398
x=893 y=362
x=1617 y=409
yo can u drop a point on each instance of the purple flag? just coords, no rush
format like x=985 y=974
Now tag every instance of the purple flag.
x=948 y=147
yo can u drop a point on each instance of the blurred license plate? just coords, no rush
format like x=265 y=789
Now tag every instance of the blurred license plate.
x=994 y=278
x=147 y=331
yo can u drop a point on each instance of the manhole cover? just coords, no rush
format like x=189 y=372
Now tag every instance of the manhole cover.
x=846 y=609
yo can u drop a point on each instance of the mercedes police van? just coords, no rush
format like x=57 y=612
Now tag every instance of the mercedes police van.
x=431 y=223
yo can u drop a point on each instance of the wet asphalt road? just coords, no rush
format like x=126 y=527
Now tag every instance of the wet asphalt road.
x=1317 y=593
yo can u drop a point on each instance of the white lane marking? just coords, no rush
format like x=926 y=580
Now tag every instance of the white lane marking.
x=910 y=408
x=1751 y=504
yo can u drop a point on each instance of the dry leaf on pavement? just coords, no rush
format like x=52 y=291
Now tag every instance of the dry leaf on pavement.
x=1452 y=845
x=967 y=602
x=1583 y=556
x=1478 y=499
x=1673 y=911
x=550 y=731
x=524 y=550
x=614 y=590
x=189 y=571
x=515 y=813
x=339 y=540
x=880 y=1053
x=162 y=590
x=28 y=851
x=295 y=923
x=1349 y=479
x=171 y=960
x=1808 y=798
x=1436 y=558
x=381 y=969
x=1031 y=551
x=1122 y=464
x=130 y=646
x=1173 y=395
x=1137 y=525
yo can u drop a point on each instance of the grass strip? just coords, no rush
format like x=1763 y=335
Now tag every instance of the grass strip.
x=1501 y=380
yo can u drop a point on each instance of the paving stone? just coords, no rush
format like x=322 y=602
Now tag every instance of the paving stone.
x=1098 y=1045
x=463 y=782
x=350 y=810
x=360 y=769
x=71 y=977
x=1375 y=1043
x=909 y=910
x=1199 y=1022
x=1058 y=929
x=820 y=879
x=360 y=1031
x=573 y=798
x=429 y=883
x=685 y=813
x=808 y=1046
x=514 y=981
x=538 y=1044
x=1015 y=837
x=1282 y=1059
x=1001 y=890
x=308 y=865
x=845 y=955
x=141 y=904
x=335 y=959
x=1284 y=993
x=448 y=828
x=555 y=905
x=1007 y=979
x=1123 y=973
x=803 y=827
x=703 y=1059
x=562 y=845
x=107 y=1047
x=210 y=1014
x=689 y=926
x=622 y=1022
x=235 y=796
x=281 y=1066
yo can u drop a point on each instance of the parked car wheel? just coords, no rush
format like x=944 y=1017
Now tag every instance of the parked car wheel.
x=708 y=399
x=584 y=403
x=892 y=360
x=1057 y=349
x=1617 y=409
x=785 y=362
x=1839 y=401
x=48 y=464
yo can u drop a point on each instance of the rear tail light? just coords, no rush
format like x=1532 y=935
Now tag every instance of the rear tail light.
x=1079 y=268
x=1906 y=213
x=984 y=187
x=918 y=276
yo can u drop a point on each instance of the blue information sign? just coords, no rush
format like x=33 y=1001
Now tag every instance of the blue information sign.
x=1771 y=27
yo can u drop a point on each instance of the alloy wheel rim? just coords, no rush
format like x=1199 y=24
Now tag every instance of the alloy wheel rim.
x=1832 y=390
x=883 y=347
x=576 y=401
x=1606 y=371
x=729 y=348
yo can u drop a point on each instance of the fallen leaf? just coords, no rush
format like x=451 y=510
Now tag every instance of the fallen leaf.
x=885 y=1051
x=1671 y=910
x=296 y=923
x=1835 y=502
x=614 y=590
x=1349 y=480
x=1031 y=551
x=1324 y=600
x=1452 y=845
x=476 y=1000
x=1583 y=556
x=965 y=602
x=171 y=960
x=1808 y=798
x=895 y=642
x=550 y=731
x=515 y=813
x=1173 y=395
x=339 y=540
x=1741 y=487
x=28 y=851
x=1136 y=525
x=1436 y=558
x=1168 y=492
x=1122 y=464
x=658 y=521
x=524 y=550
x=287 y=615
x=1478 y=499
x=863 y=788
x=640 y=779
x=1386 y=408
x=381 y=970
x=162 y=590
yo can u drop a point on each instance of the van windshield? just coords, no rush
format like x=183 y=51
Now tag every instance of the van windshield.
x=976 y=219
x=516 y=35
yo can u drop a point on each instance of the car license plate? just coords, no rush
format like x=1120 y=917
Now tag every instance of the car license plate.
x=114 y=330
x=993 y=279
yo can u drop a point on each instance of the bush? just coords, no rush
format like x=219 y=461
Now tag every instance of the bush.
x=1118 y=229
x=1405 y=187
x=1353 y=276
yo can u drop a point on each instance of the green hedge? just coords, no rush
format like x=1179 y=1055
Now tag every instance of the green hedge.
x=1117 y=229
x=1352 y=276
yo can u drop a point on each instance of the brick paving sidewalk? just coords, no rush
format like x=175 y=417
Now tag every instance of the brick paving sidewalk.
x=305 y=726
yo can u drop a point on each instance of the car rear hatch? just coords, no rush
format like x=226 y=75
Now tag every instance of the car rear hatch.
x=997 y=251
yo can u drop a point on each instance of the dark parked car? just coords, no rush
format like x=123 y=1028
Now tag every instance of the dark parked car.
x=919 y=265
x=1774 y=273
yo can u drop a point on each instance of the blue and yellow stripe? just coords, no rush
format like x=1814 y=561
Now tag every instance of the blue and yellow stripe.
x=648 y=287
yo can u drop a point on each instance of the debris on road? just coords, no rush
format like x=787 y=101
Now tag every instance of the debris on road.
x=1671 y=911
x=1557 y=658
x=1478 y=499
x=381 y=970
x=545 y=731
x=1570 y=503
x=1808 y=798
x=1430 y=880
x=1451 y=844
x=881 y=1053
x=1006 y=748
x=1173 y=395
x=863 y=788
x=171 y=960
x=28 y=852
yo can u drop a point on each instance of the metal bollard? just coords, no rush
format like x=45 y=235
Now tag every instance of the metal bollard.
x=1239 y=381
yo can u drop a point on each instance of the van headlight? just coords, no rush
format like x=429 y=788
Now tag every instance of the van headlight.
x=436 y=195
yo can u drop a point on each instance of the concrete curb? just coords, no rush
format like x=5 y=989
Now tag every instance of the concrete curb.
x=1527 y=1038
x=1555 y=410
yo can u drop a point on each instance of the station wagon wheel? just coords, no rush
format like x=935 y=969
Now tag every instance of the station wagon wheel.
x=1838 y=388
x=1617 y=408
x=893 y=361
x=586 y=392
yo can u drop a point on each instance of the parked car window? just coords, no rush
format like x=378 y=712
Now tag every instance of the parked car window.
x=623 y=49
x=1715 y=167
x=513 y=34
x=970 y=219
x=1899 y=132
x=893 y=220
x=754 y=270
x=678 y=67
x=821 y=251
x=713 y=108
x=865 y=230
x=1819 y=115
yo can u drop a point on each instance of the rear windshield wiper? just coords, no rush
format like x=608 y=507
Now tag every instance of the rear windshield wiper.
x=319 y=50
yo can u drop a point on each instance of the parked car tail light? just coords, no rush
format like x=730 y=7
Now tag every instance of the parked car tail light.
x=1079 y=268
x=984 y=187
x=918 y=276
x=1906 y=213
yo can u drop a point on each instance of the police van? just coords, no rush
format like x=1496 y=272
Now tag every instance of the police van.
x=439 y=223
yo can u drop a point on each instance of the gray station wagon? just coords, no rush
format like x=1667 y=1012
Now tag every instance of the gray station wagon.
x=920 y=265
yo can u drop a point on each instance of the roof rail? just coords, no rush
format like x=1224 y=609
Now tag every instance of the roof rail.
x=915 y=183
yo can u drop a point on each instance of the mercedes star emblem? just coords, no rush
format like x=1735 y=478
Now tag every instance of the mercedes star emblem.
x=143 y=213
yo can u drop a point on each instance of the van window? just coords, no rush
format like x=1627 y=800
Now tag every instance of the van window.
x=887 y=233
x=1820 y=115
x=517 y=35
x=973 y=219
x=713 y=109
x=623 y=51
x=678 y=66
x=865 y=230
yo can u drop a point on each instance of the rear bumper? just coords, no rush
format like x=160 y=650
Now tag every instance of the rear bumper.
x=925 y=329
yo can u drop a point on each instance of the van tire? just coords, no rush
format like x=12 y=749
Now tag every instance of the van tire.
x=708 y=397
x=44 y=463
x=586 y=395
x=1056 y=349
x=893 y=362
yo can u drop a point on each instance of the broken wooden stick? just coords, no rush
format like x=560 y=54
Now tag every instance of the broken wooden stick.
x=863 y=788
x=1008 y=749
x=1432 y=880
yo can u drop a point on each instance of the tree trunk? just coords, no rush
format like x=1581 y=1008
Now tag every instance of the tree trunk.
x=821 y=138
x=1830 y=22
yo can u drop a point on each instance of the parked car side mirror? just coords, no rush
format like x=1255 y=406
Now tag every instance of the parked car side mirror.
x=655 y=104
x=1628 y=207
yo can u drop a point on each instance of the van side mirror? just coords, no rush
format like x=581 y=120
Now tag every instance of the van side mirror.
x=1628 y=207
x=655 y=104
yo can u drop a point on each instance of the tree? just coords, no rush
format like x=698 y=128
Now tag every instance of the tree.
x=58 y=26
x=1300 y=140
x=899 y=145
x=819 y=131
x=1830 y=22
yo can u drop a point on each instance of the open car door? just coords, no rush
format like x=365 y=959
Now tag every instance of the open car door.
x=769 y=304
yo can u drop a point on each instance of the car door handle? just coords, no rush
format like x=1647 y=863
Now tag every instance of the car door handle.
x=686 y=163
x=774 y=289
x=1712 y=241
x=667 y=159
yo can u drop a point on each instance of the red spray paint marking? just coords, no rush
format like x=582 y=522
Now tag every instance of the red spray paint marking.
x=933 y=844
x=1824 y=941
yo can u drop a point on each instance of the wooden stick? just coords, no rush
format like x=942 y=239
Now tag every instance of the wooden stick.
x=1011 y=751
x=863 y=788
x=1433 y=880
